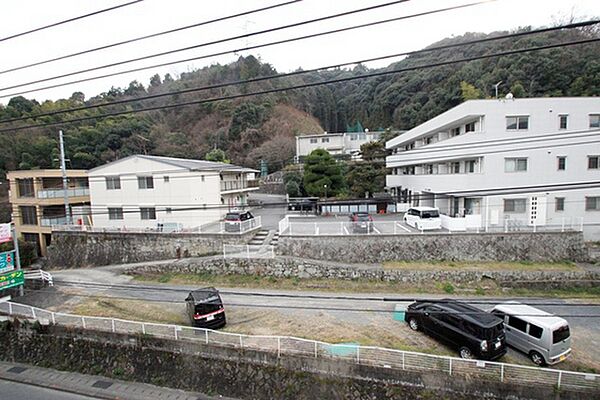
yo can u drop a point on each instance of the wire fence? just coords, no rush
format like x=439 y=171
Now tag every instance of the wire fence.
x=448 y=225
x=364 y=355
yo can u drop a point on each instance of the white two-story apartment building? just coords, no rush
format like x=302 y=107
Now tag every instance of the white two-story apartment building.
x=529 y=161
x=143 y=191
x=337 y=144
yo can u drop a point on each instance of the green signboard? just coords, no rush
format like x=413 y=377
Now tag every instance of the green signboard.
x=12 y=279
x=7 y=261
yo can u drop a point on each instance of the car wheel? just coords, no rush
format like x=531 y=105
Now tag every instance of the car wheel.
x=537 y=358
x=465 y=353
x=414 y=324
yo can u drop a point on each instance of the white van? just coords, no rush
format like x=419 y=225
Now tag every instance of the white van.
x=545 y=337
x=423 y=218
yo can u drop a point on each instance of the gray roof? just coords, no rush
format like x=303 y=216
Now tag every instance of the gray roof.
x=191 y=165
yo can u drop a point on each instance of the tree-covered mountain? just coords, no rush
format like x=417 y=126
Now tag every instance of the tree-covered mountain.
x=263 y=127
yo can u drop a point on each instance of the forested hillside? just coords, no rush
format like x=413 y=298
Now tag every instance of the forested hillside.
x=263 y=127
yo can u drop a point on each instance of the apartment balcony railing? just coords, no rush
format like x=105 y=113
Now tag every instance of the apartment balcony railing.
x=233 y=185
x=53 y=221
x=60 y=193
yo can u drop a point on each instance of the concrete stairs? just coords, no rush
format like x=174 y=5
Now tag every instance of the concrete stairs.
x=260 y=238
x=274 y=239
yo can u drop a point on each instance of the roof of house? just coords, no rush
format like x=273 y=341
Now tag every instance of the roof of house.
x=185 y=163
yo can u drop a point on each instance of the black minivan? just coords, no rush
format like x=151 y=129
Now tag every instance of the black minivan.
x=475 y=333
x=205 y=308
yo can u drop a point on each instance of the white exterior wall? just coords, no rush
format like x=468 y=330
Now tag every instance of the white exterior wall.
x=339 y=143
x=184 y=189
x=540 y=144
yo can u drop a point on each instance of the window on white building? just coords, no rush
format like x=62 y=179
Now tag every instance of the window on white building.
x=455 y=168
x=470 y=127
x=147 y=213
x=563 y=120
x=470 y=166
x=594 y=120
x=517 y=123
x=313 y=141
x=515 y=205
x=559 y=204
x=113 y=183
x=325 y=140
x=592 y=203
x=169 y=210
x=561 y=163
x=115 y=213
x=455 y=131
x=166 y=179
x=145 y=182
x=515 y=164
x=593 y=162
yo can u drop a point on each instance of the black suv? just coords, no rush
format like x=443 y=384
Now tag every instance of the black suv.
x=205 y=308
x=234 y=220
x=475 y=333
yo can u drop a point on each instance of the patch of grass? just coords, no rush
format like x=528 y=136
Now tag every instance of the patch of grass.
x=136 y=310
x=482 y=265
x=448 y=288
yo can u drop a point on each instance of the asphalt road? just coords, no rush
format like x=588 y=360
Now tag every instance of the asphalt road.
x=14 y=391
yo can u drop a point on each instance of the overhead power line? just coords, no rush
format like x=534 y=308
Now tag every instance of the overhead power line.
x=310 y=85
x=270 y=30
x=68 y=20
x=295 y=73
x=137 y=39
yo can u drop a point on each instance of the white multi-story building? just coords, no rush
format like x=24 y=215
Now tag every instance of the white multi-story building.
x=337 y=144
x=143 y=191
x=532 y=161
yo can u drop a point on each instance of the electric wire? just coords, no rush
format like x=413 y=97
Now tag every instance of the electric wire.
x=294 y=73
x=68 y=20
x=219 y=41
x=149 y=36
x=309 y=85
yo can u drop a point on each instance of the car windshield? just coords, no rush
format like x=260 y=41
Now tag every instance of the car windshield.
x=560 y=334
x=207 y=308
x=362 y=217
x=430 y=214
x=232 y=217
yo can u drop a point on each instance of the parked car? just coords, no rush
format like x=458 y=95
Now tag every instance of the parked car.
x=234 y=221
x=544 y=337
x=361 y=223
x=474 y=332
x=423 y=218
x=205 y=308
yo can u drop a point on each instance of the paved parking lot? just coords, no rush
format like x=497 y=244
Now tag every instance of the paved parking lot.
x=388 y=224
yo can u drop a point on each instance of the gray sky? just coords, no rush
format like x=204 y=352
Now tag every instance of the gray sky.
x=153 y=16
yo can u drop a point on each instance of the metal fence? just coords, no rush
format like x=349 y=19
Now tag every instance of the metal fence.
x=171 y=228
x=248 y=251
x=365 y=355
x=386 y=227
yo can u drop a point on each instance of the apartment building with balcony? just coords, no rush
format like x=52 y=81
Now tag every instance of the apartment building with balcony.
x=344 y=144
x=529 y=161
x=37 y=200
x=143 y=191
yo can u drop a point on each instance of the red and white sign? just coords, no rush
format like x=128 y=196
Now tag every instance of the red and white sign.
x=5 y=233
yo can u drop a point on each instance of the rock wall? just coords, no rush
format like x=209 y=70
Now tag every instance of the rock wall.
x=512 y=246
x=89 y=249
x=243 y=374
x=290 y=267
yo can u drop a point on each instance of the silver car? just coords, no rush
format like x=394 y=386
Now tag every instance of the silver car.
x=544 y=337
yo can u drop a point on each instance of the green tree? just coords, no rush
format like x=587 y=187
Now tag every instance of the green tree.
x=373 y=151
x=216 y=155
x=366 y=177
x=469 y=92
x=322 y=174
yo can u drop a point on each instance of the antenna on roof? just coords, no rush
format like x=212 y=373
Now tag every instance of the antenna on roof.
x=496 y=87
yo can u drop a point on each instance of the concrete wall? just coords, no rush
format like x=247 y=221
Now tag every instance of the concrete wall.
x=512 y=246
x=87 y=249
x=243 y=374
x=290 y=267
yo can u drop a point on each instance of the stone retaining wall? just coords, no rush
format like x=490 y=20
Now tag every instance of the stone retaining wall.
x=247 y=374
x=290 y=267
x=512 y=246
x=89 y=249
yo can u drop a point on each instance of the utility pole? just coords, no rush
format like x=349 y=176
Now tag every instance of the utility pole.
x=63 y=169
x=496 y=87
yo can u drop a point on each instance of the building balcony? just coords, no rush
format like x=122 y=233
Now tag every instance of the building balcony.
x=51 y=221
x=60 y=193
x=239 y=186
